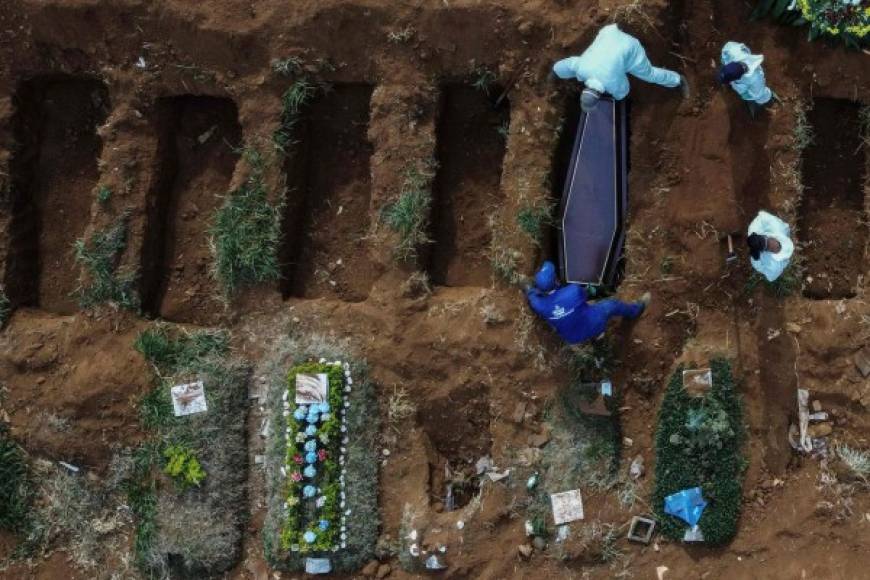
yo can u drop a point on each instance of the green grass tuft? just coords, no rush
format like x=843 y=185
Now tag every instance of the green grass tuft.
x=289 y=67
x=104 y=281
x=710 y=457
x=15 y=489
x=534 y=220
x=246 y=234
x=174 y=353
x=483 y=79
x=5 y=307
x=104 y=194
x=409 y=215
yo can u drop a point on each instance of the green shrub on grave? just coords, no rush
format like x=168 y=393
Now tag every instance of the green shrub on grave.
x=699 y=443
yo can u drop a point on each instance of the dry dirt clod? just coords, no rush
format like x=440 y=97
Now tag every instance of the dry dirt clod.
x=525 y=551
x=371 y=568
x=820 y=430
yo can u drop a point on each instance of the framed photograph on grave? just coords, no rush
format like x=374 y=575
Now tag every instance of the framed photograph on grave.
x=311 y=388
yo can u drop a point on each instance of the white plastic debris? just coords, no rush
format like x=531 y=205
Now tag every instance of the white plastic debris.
x=318 y=566
x=567 y=506
x=460 y=524
x=433 y=563
x=141 y=63
x=69 y=466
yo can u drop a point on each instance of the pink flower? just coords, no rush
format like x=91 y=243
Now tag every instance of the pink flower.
x=297 y=459
x=321 y=455
x=296 y=476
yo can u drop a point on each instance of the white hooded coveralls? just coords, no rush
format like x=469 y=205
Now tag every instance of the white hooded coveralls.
x=612 y=56
x=769 y=264
x=752 y=86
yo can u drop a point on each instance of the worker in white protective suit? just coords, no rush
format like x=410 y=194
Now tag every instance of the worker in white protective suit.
x=742 y=70
x=604 y=66
x=770 y=246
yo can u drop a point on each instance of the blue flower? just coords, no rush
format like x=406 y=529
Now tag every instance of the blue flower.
x=311 y=457
x=309 y=472
x=311 y=445
x=323 y=407
x=324 y=525
x=309 y=491
x=311 y=430
x=309 y=536
x=325 y=417
x=313 y=418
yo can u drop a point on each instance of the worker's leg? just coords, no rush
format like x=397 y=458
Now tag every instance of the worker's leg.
x=613 y=307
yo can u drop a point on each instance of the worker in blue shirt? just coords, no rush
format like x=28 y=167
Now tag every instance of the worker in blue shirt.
x=604 y=66
x=566 y=309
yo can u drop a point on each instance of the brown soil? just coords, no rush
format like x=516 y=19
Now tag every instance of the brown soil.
x=469 y=353
x=329 y=191
x=471 y=135
x=196 y=141
x=55 y=173
x=832 y=222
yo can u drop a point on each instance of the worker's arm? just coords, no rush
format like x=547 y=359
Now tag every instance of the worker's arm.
x=567 y=68
x=639 y=65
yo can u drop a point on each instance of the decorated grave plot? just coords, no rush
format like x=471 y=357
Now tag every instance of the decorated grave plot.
x=699 y=449
x=322 y=468
x=187 y=490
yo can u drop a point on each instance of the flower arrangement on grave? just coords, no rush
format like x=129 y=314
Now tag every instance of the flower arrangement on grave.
x=314 y=463
x=845 y=19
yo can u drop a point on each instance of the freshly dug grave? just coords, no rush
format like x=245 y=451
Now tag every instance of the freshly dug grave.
x=833 y=223
x=54 y=174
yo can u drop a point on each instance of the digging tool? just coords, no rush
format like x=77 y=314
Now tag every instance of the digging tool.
x=731 y=257
x=508 y=88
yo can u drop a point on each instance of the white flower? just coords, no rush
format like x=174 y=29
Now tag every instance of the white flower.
x=344 y=428
x=349 y=380
x=347 y=389
x=286 y=413
x=344 y=544
x=322 y=361
x=344 y=441
x=347 y=513
x=337 y=363
x=300 y=437
x=283 y=472
x=284 y=396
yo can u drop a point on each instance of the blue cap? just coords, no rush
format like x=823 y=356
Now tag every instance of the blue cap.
x=545 y=279
x=730 y=72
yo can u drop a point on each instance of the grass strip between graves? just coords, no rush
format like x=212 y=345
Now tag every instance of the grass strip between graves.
x=698 y=443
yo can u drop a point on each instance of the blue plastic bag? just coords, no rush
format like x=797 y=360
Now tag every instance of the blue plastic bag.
x=688 y=505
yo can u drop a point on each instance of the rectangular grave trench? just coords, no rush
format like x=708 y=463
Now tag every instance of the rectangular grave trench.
x=195 y=160
x=832 y=221
x=471 y=136
x=54 y=173
x=326 y=217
